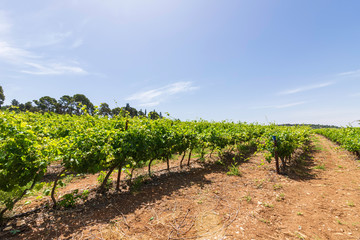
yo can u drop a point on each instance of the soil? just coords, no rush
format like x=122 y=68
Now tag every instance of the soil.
x=319 y=198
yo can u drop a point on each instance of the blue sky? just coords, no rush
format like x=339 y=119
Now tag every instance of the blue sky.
x=255 y=61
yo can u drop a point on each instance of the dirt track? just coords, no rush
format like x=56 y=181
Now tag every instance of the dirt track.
x=320 y=199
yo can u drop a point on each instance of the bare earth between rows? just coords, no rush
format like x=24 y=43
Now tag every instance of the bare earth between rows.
x=320 y=199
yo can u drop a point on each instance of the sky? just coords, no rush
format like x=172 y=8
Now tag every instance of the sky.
x=268 y=61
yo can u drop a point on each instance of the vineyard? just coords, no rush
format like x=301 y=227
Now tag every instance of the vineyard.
x=348 y=138
x=33 y=144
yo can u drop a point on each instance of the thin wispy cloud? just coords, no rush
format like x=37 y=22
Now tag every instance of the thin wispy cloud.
x=155 y=96
x=306 y=88
x=30 y=63
x=26 y=60
x=350 y=73
x=53 y=69
x=33 y=64
x=13 y=54
x=287 y=105
x=47 y=39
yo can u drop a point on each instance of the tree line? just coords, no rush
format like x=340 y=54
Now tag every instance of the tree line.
x=77 y=104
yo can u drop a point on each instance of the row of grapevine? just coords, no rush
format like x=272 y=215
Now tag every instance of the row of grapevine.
x=30 y=142
x=348 y=138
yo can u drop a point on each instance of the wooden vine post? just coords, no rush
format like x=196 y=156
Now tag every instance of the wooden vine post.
x=276 y=155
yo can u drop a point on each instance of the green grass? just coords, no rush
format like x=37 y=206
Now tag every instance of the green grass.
x=280 y=197
x=234 y=171
x=321 y=167
x=268 y=205
x=247 y=198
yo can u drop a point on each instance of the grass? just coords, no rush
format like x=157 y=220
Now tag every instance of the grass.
x=264 y=220
x=321 y=167
x=247 y=198
x=277 y=186
x=280 y=197
x=351 y=204
x=299 y=213
x=298 y=235
x=268 y=205
x=259 y=183
x=339 y=222
x=234 y=171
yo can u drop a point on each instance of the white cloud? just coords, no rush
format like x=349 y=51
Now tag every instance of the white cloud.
x=287 y=105
x=306 y=88
x=32 y=64
x=350 y=73
x=155 y=96
x=48 y=39
x=28 y=61
x=53 y=69
x=290 y=105
x=13 y=54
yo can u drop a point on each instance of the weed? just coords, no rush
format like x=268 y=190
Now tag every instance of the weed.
x=264 y=220
x=268 y=205
x=47 y=191
x=259 y=183
x=339 y=222
x=298 y=235
x=14 y=231
x=280 y=197
x=234 y=171
x=220 y=162
x=299 y=213
x=322 y=167
x=137 y=183
x=69 y=200
x=247 y=198
x=277 y=186
x=351 y=204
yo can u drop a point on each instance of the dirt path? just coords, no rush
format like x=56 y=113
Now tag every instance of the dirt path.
x=320 y=199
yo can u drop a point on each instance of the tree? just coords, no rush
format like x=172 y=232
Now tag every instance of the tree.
x=141 y=113
x=15 y=103
x=46 y=104
x=29 y=107
x=66 y=104
x=105 y=109
x=130 y=110
x=81 y=100
x=116 y=111
x=2 y=96
x=154 y=115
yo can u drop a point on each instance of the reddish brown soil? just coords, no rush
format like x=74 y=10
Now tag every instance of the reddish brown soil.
x=205 y=203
